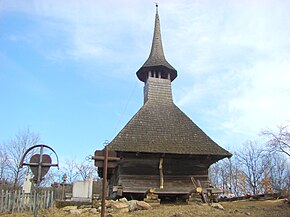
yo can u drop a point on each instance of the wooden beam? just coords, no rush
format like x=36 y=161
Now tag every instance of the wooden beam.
x=104 y=192
x=101 y=158
x=161 y=173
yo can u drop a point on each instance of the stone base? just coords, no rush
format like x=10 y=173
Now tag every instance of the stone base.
x=152 y=202
x=194 y=198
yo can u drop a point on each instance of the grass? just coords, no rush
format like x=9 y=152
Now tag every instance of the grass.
x=268 y=208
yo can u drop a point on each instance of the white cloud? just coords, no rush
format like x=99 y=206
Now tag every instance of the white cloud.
x=236 y=65
x=265 y=101
x=232 y=56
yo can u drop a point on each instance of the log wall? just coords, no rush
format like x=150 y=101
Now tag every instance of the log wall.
x=137 y=173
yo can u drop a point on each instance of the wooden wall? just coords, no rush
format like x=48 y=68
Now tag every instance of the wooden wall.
x=137 y=172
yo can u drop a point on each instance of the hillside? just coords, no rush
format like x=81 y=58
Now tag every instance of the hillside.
x=268 y=208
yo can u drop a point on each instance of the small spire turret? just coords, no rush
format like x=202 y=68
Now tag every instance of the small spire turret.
x=156 y=64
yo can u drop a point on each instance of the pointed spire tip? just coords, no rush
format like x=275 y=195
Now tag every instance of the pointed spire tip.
x=156 y=59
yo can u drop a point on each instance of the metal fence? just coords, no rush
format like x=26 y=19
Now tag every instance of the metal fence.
x=18 y=201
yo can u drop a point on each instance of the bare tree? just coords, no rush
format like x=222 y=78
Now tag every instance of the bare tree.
x=235 y=177
x=253 y=163
x=279 y=173
x=69 y=168
x=214 y=174
x=86 y=170
x=278 y=141
x=227 y=176
x=51 y=177
x=256 y=169
x=3 y=163
x=15 y=150
x=219 y=175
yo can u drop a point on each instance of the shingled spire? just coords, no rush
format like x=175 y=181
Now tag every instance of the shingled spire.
x=160 y=126
x=156 y=65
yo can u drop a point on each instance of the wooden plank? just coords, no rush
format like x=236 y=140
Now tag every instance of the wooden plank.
x=51 y=199
x=170 y=167
x=2 y=200
x=18 y=201
x=168 y=176
x=142 y=184
x=157 y=191
x=176 y=172
x=22 y=201
x=172 y=184
x=101 y=158
x=7 y=201
x=132 y=166
x=100 y=164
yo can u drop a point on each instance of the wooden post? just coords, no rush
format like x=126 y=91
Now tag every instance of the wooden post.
x=50 y=199
x=2 y=201
x=104 y=192
x=9 y=195
x=62 y=192
x=161 y=173
x=18 y=203
x=22 y=200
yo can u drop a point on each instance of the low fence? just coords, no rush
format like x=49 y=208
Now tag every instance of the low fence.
x=17 y=201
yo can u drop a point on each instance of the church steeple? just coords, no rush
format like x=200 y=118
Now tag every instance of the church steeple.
x=156 y=65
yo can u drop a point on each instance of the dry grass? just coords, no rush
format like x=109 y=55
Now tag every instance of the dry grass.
x=271 y=208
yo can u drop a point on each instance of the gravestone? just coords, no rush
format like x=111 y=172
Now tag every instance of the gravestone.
x=82 y=190
x=27 y=184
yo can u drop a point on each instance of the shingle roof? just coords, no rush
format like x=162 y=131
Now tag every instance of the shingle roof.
x=160 y=126
x=164 y=128
x=156 y=59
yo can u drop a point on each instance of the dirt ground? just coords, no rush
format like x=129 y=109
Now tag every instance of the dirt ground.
x=269 y=208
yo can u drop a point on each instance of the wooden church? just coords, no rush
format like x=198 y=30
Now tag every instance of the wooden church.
x=160 y=148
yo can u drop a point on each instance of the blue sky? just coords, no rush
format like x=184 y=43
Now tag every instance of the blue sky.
x=67 y=68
